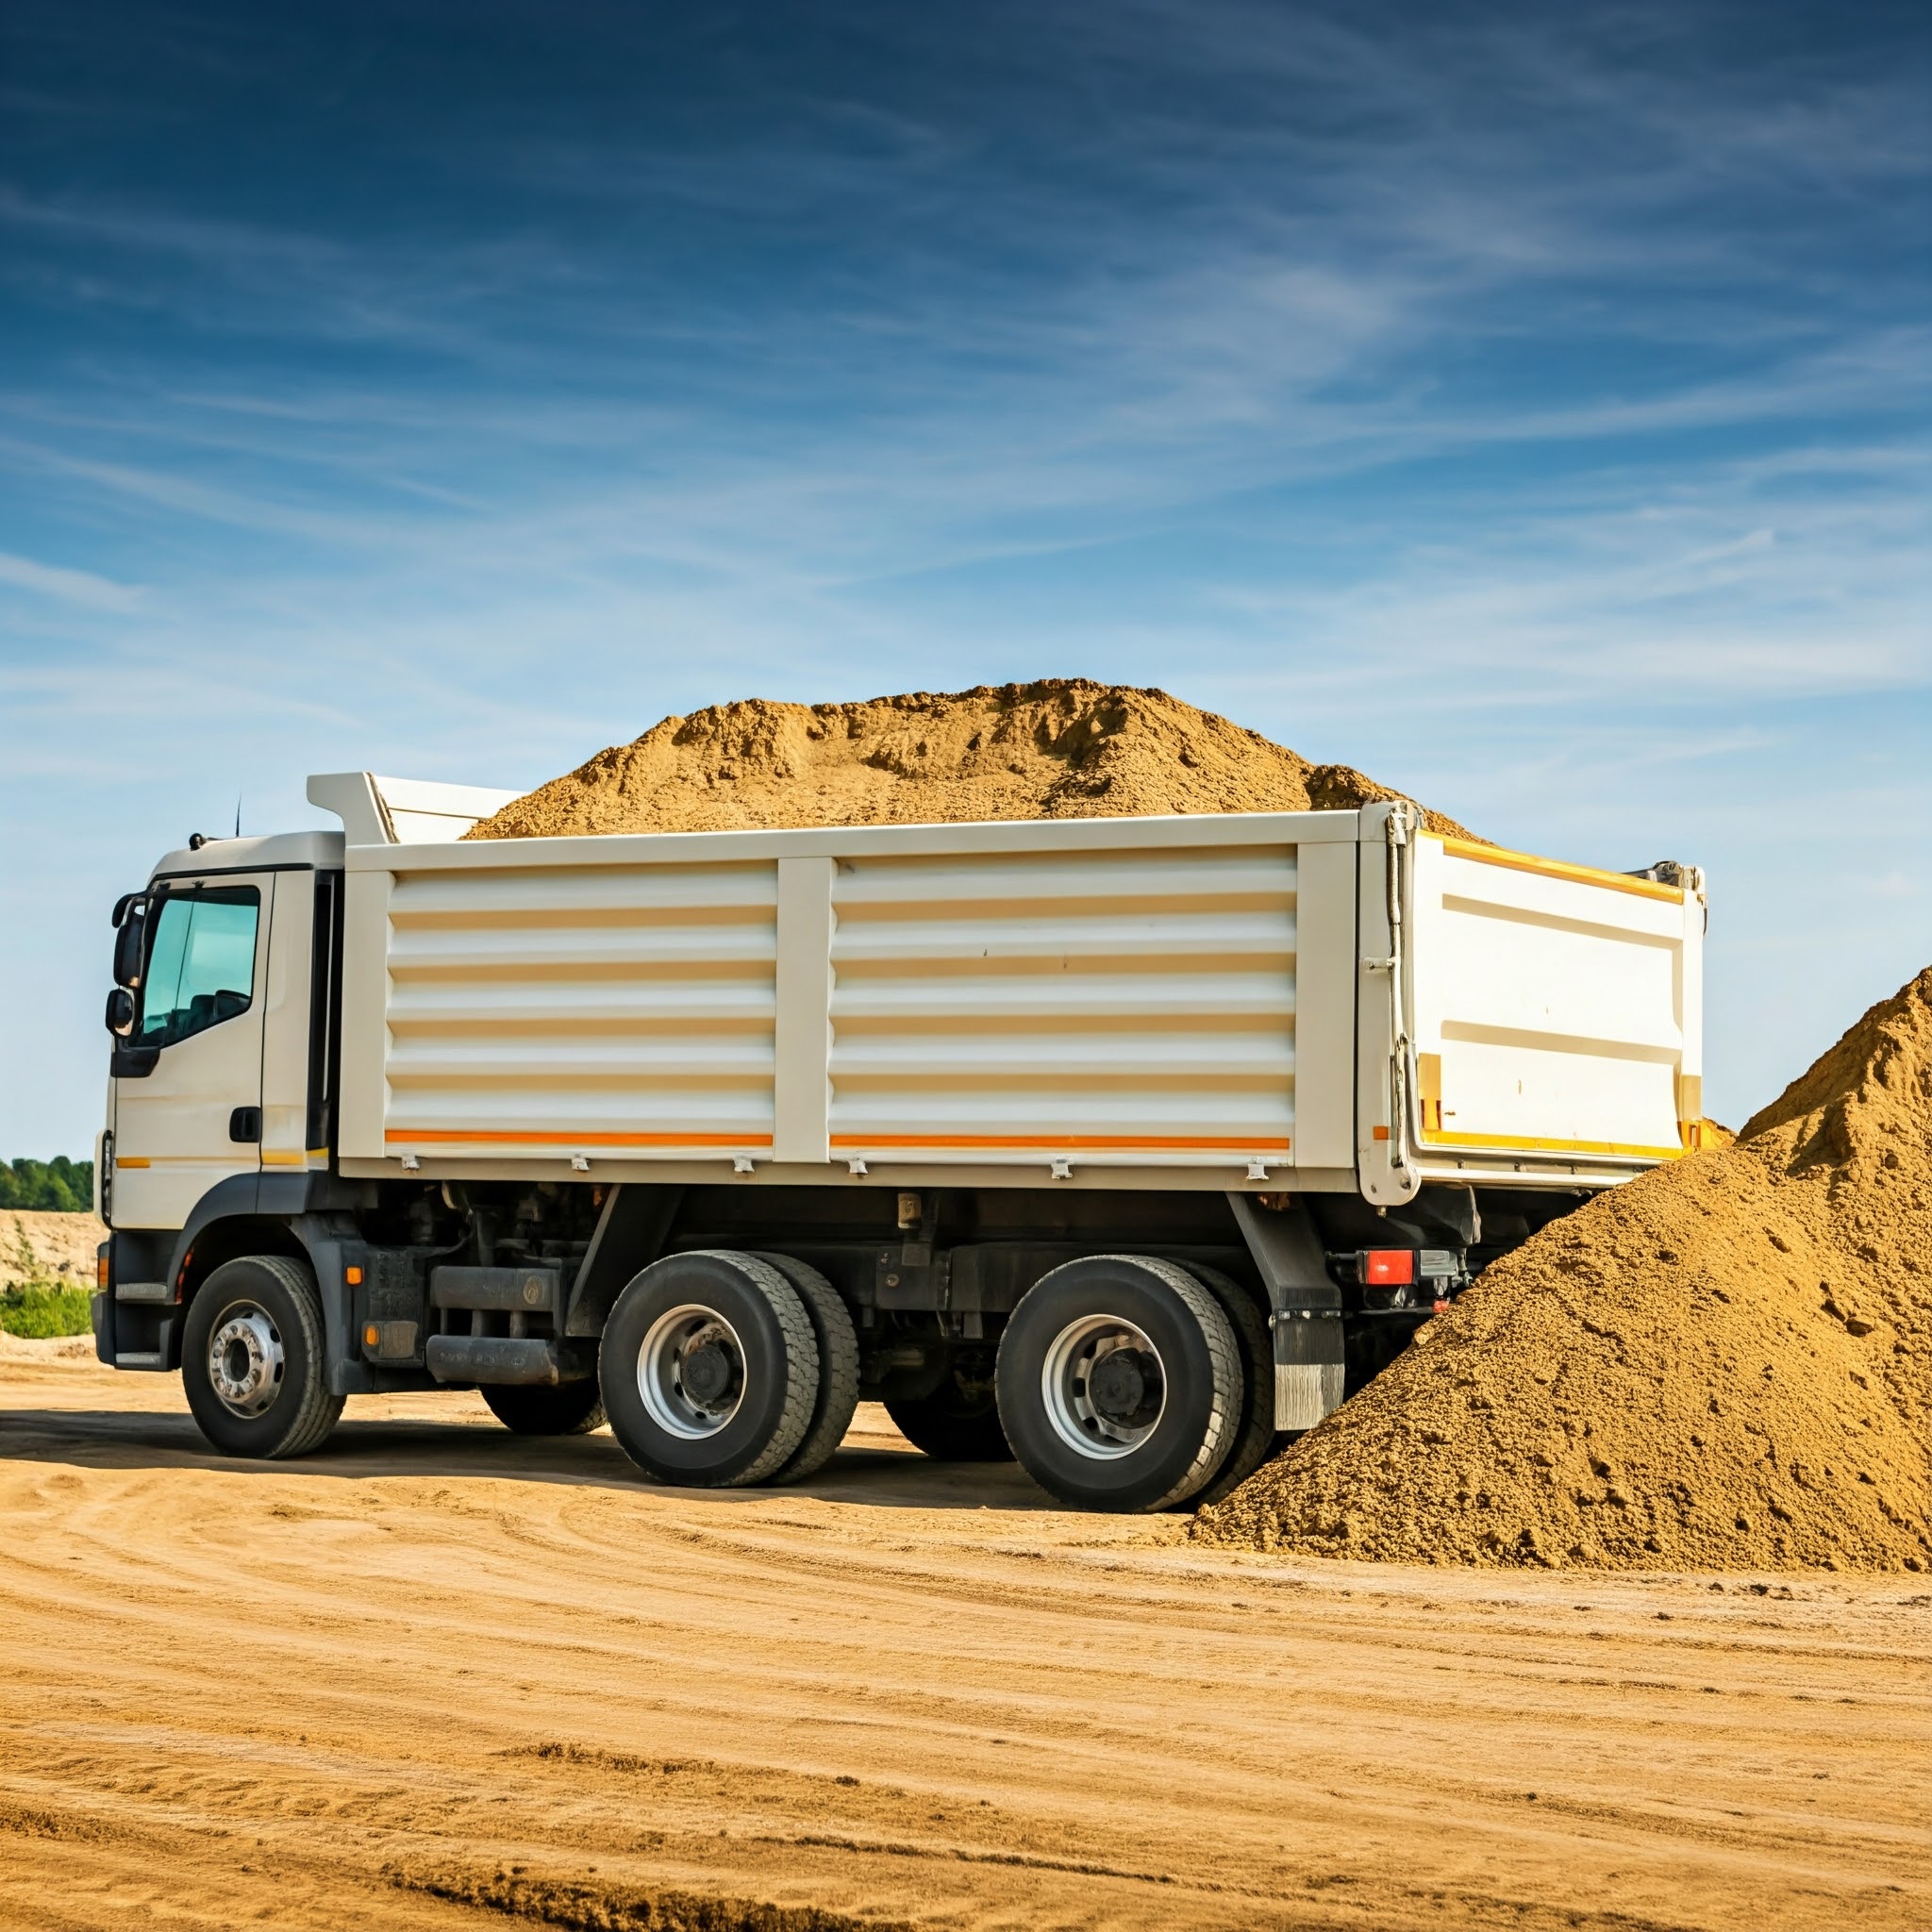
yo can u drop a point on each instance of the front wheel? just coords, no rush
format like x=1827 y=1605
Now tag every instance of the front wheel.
x=709 y=1368
x=1120 y=1383
x=253 y=1364
x=570 y=1408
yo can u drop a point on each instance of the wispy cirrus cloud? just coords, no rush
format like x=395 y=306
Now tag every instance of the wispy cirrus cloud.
x=1528 y=405
x=63 y=586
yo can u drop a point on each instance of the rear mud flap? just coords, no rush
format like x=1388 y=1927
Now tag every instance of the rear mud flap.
x=1309 y=1367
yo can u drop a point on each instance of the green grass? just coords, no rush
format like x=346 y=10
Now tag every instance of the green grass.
x=38 y=1310
x=36 y=1306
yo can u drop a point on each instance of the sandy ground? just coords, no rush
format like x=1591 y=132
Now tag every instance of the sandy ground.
x=438 y=1676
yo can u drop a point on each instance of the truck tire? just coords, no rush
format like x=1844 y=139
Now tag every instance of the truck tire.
x=952 y=1427
x=253 y=1362
x=1254 y=1435
x=709 y=1368
x=1120 y=1383
x=837 y=1340
x=571 y=1409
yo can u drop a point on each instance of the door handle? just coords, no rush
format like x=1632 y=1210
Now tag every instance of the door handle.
x=244 y=1123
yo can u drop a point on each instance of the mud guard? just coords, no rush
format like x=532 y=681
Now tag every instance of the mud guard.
x=1304 y=1310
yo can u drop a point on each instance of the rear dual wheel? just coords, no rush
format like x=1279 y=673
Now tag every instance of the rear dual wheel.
x=838 y=1391
x=1254 y=1430
x=1122 y=1383
x=721 y=1368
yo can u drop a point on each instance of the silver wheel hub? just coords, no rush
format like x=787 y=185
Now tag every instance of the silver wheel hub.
x=691 y=1372
x=244 y=1360
x=1104 y=1386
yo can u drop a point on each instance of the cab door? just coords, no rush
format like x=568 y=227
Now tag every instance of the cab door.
x=187 y=1079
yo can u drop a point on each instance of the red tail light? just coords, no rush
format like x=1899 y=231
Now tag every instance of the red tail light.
x=1387 y=1267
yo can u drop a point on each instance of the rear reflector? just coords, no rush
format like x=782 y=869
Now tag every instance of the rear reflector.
x=1387 y=1267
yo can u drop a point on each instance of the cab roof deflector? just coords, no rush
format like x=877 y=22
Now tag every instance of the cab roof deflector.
x=403 y=812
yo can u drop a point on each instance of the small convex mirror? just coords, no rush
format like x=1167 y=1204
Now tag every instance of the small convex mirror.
x=121 y=1013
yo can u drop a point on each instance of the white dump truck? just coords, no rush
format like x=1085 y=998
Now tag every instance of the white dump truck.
x=1121 y=1147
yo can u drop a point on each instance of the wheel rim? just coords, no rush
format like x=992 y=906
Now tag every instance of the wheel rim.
x=1104 y=1387
x=244 y=1360
x=691 y=1372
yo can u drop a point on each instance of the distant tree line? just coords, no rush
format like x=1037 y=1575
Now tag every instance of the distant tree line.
x=59 y=1186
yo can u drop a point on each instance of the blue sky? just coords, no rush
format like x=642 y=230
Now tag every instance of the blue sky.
x=1528 y=405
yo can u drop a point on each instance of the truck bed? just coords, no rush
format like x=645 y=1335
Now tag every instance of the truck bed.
x=1180 y=1001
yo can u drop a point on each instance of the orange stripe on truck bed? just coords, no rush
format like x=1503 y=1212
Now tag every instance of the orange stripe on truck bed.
x=424 y=1137
x=1151 y=1142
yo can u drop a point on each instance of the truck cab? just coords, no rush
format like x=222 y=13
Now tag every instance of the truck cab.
x=223 y=1077
x=218 y=1078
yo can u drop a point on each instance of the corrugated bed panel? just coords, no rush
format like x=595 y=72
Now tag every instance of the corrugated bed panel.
x=1115 y=1005
x=598 y=1006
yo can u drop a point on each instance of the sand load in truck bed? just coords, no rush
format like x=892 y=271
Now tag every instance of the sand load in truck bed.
x=1726 y=1364
x=1061 y=748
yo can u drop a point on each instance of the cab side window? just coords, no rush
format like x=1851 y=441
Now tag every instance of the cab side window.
x=200 y=962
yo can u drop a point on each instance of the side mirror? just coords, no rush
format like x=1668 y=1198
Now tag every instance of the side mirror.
x=121 y=1013
x=130 y=922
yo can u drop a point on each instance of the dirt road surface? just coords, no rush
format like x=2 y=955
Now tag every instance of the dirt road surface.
x=440 y=1677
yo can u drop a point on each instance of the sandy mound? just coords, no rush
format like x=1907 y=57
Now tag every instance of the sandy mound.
x=1726 y=1364
x=38 y=1246
x=51 y=1348
x=1062 y=748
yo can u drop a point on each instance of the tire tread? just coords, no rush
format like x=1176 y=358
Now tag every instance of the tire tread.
x=837 y=1401
x=800 y=1365
x=1224 y=1353
x=1254 y=1433
x=320 y=1410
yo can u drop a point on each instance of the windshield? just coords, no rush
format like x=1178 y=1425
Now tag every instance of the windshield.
x=201 y=966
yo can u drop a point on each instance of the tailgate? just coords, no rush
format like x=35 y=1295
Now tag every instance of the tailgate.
x=1557 y=1014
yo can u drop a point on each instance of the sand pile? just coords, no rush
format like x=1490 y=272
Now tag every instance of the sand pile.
x=1726 y=1364
x=37 y=1245
x=1063 y=748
